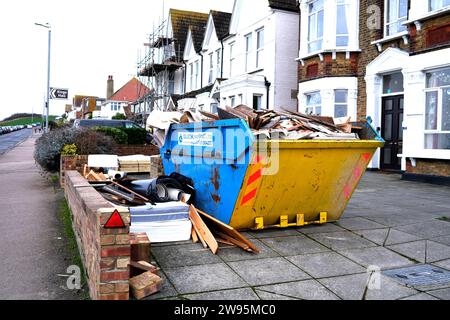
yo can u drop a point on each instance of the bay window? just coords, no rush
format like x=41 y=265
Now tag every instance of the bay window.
x=259 y=47
x=313 y=103
x=437 y=4
x=315 y=25
x=437 y=109
x=340 y=103
x=396 y=14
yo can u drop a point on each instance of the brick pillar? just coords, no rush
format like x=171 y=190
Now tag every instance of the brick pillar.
x=115 y=253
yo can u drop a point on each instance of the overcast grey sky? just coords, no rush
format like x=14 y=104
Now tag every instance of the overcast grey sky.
x=91 y=39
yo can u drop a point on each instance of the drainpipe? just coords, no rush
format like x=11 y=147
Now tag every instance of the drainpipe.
x=267 y=83
x=185 y=76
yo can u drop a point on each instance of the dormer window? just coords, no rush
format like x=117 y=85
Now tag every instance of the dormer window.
x=396 y=14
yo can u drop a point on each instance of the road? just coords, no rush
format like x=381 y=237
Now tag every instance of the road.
x=10 y=140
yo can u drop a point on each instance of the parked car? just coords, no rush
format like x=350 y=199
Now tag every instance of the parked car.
x=90 y=123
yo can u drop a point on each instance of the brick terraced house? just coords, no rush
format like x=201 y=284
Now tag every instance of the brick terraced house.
x=387 y=59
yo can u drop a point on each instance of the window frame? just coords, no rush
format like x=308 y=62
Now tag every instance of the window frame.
x=440 y=106
x=314 y=106
x=429 y=9
x=191 y=78
x=211 y=67
x=232 y=57
x=347 y=5
x=317 y=39
x=259 y=48
x=341 y=103
x=218 y=63
x=248 y=50
x=397 y=19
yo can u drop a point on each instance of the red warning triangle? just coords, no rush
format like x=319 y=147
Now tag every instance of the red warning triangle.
x=115 y=221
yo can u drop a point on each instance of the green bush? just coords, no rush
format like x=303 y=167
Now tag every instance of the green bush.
x=135 y=135
x=119 y=116
x=69 y=150
x=49 y=146
x=119 y=136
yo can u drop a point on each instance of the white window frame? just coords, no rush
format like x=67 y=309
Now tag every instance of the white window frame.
x=397 y=19
x=259 y=48
x=248 y=50
x=440 y=92
x=317 y=39
x=313 y=106
x=232 y=101
x=211 y=67
x=232 y=57
x=218 y=63
x=341 y=103
x=197 y=73
x=191 y=78
x=347 y=7
x=439 y=3
x=260 y=99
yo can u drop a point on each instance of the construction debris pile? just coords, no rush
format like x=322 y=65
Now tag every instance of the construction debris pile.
x=265 y=124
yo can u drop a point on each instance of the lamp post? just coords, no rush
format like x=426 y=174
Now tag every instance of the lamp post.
x=47 y=103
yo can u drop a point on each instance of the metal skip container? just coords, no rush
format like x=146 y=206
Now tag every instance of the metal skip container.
x=249 y=183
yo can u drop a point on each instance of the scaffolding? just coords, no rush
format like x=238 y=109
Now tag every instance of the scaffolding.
x=157 y=70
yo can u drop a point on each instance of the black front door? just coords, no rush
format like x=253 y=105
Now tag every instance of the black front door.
x=392 y=132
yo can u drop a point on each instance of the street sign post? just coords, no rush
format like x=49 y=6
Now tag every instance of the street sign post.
x=59 y=94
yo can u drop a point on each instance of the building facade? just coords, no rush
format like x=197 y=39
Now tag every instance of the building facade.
x=387 y=59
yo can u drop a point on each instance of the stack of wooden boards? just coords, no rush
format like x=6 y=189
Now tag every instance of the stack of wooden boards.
x=134 y=164
x=210 y=232
x=144 y=277
x=156 y=167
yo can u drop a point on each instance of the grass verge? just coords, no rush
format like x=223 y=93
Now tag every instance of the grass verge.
x=72 y=246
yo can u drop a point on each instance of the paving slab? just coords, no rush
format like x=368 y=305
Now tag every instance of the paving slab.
x=444 y=240
x=377 y=256
x=350 y=287
x=236 y=294
x=342 y=240
x=327 y=264
x=420 y=296
x=264 y=295
x=294 y=245
x=443 y=264
x=320 y=228
x=236 y=254
x=266 y=271
x=208 y=277
x=397 y=237
x=355 y=287
x=270 y=233
x=443 y=294
x=359 y=223
x=427 y=230
x=394 y=220
x=423 y=251
x=378 y=236
x=183 y=255
x=389 y=290
x=307 y=290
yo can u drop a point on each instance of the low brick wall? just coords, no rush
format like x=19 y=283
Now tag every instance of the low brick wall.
x=77 y=162
x=105 y=252
x=432 y=167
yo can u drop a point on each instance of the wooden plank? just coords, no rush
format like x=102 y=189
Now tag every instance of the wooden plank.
x=203 y=230
x=199 y=235
x=234 y=241
x=194 y=235
x=220 y=240
x=224 y=228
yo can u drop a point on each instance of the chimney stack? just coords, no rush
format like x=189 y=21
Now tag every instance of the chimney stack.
x=109 y=87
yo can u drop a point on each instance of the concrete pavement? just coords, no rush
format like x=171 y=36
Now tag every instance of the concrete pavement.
x=388 y=224
x=32 y=241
